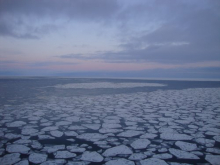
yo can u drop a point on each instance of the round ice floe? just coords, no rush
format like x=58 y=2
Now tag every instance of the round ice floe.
x=23 y=162
x=91 y=156
x=54 y=162
x=51 y=128
x=10 y=159
x=140 y=144
x=56 y=133
x=37 y=158
x=153 y=161
x=71 y=133
x=75 y=149
x=16 y=124
x=92 y=126
x=122 y=149
x=17 y=148
x=29 y=131
x=120 y=161
x=64 y=154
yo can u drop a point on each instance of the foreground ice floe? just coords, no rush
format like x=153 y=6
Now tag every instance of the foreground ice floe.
x=122 y=149
x=10 y=159
x=37 y=158
x=183 y=154
x=121 y=161
x=153 y=161
x=92 y=156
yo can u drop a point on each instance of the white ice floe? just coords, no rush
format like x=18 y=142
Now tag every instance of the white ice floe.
x=54 y=148
x=51 y=128
x=22 y=141
x=92 y=126
x=17 y=148
x=43 y=137
x=148 y=136
x=206 y=142
x=71 y=133
x=120 y=161
x=153 y=161
x=56 y=133
x=16 y=124
x=75 y=149
x=213 y=159
x=163 y=156
x=64 y=154
x=76 y=127
x=175 y=136
x=92 y=136
x=122 y=149
x=217 y=138
x=213 y=150
x=110 y=130
x=130 y=133
x=186 y=146
x=36 y=145
x=29 y=131
x=111 y=125
x=54 y=162
x=37 y=158
x=182 y=154
x=92 y=157
x=77 y=163
x=137 y=156
x=23 y=162
x=10 y=159
x=12 y=136
x=140 y=143
x=108 y=85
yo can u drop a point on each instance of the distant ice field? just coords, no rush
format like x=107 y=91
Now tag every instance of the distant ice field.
x=108 y=85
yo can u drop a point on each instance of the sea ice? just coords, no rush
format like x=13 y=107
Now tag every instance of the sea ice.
x=37 y=158
x=148 y=136
x=122 y=149
x=163 y=156
x=213 y=150
x=182 y=154
x=92 y=136
x=91 y=156
x=153 y=161
x=56 y=133
x=16 y=124
x=54 y=162
x=92 y=126
x=75 y=149
x=140 y=144
x=10 y=159
x=130 y=133
x=64 y=154
x=28 y=131
x=120 y=161
x=71 y=133
x=137 y=156
x=23 y=162
x=186 y=146
x=213 y=159
x=17 y=148
x=175 y=136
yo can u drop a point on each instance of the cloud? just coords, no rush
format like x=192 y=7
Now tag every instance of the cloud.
x=31 y=19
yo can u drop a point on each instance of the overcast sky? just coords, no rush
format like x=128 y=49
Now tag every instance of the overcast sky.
x=54 y=37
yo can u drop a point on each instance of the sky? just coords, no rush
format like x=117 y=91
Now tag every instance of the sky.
x=110 y=38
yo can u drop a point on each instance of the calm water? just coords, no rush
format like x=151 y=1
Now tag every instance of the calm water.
x=98 y=121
